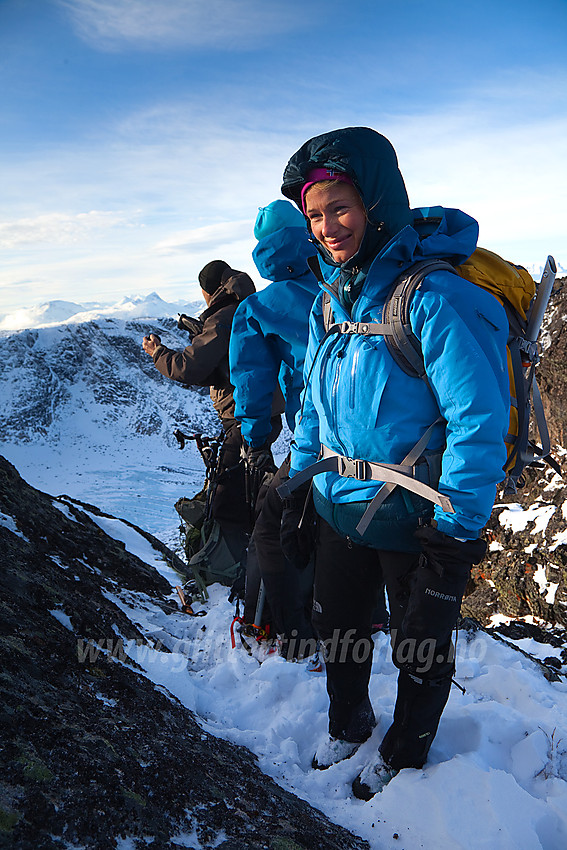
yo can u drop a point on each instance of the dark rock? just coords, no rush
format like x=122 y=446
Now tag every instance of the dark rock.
x=92 y=750
x=506 y=580
x=552 y=376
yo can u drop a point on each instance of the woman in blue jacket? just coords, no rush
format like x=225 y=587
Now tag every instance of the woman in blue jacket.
x=267 y=351
x=270 y=329
x=359 y=404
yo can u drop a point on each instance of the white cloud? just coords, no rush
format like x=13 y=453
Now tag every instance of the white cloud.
x=205 y=238
x=56 y=228
x=499 y=155
x=154 y=24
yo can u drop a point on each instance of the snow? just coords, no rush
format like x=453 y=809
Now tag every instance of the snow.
x=63 y=618
x=497 y=771
x=54 y=313
x=516 y=518
x=10 y=523
x=496 y=776
x=545 y=586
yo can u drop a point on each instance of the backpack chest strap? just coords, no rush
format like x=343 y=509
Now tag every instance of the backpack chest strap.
x=361 y=328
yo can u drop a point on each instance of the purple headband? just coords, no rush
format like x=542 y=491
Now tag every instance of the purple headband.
x=316 y=175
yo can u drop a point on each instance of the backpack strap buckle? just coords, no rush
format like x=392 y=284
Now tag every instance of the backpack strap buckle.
x=349 y=467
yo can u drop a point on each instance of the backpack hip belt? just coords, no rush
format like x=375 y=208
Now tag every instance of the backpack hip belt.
x=391 y=474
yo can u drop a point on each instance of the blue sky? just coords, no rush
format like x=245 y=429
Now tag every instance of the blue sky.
x=138 y=138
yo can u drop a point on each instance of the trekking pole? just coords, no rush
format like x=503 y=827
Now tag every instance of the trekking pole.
x=207 y=448
x=539 y=305
x=260 y=605
x=215 y=467
x=248 y=486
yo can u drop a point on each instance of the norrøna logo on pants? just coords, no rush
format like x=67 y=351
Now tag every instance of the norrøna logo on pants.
x=445 y=597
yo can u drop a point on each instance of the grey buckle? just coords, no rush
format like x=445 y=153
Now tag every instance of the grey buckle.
x=349 y=467
x=354 y=328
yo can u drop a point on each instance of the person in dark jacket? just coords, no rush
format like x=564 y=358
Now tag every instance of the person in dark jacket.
x=267 y=350
x=364 y=415
x=204 y=363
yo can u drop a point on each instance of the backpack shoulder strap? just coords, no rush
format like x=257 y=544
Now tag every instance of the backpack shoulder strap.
x=402 y=343
x=327 y=308
x=313 y=263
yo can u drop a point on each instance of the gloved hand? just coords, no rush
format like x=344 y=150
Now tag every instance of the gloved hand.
x=151 y=343
x=297 y=530
x=444 y=553
x=261 y=459
x=188 y=323
x=434 y=585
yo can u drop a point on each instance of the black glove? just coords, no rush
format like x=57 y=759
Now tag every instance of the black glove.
x=434 y=586
x=447 y=554
x=260 y=459
x=188 y=323
x=297 y=530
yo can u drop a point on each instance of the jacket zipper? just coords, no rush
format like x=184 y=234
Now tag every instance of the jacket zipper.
x=353 y=376
x=335 y=395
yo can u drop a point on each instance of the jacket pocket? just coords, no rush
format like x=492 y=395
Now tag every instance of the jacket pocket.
x=369 y=369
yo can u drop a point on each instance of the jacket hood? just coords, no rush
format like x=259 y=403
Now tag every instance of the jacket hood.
x=235 y=289
x=444 y=233
x=436 y=233
x=370 y=161
x=283 y=254
x=276 y=215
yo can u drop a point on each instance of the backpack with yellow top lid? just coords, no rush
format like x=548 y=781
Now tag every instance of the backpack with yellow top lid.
x=525 y=304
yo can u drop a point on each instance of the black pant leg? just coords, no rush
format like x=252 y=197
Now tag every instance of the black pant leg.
x=228 y=505
x=423 y=611
x=347 y=577
x=288 y=590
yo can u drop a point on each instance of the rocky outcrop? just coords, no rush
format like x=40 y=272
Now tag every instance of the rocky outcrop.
x=92 y=751
x=552 y=375
x=525 y=572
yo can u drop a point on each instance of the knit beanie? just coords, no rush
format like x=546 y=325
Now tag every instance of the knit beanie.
x=275 y=216
x=319 y=174
x=210 y=276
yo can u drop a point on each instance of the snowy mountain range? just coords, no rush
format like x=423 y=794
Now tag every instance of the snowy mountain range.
x=74 y=379
x=82 y=407
x=58 y=312
x=85 y=412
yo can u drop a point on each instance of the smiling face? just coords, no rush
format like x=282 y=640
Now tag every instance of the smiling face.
x=337 y=217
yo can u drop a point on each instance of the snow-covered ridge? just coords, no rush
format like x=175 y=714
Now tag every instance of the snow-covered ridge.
x=536 y=270
x=92 y=381
x=62 y=312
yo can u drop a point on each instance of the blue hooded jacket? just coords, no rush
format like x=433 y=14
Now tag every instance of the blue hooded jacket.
x=359 y=402
x=269 y=334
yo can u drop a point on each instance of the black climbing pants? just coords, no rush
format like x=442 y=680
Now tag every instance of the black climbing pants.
x=230 y=507
x=423 y=611
x=288 y=590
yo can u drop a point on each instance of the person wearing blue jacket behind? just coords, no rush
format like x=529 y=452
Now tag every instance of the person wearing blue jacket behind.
x=267 y=349
x=359 y=405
